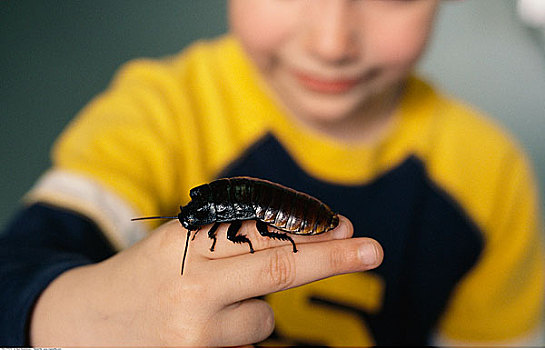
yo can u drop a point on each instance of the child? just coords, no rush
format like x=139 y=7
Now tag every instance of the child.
x=316 y=95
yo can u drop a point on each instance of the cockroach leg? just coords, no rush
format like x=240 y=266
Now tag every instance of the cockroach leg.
x=233 y=237
x=264 y=231
x=212 y=235
x=195 y=234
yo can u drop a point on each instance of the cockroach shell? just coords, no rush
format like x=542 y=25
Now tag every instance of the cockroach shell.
x=281 y=219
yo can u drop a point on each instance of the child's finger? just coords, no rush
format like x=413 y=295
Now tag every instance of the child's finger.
x=252 y=319
x=267 y=271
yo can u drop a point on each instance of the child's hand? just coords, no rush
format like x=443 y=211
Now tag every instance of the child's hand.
x=138 y=298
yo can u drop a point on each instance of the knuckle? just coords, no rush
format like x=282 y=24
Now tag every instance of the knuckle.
x=280 y=269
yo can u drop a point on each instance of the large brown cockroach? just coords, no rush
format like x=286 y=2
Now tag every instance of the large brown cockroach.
x=232 y=200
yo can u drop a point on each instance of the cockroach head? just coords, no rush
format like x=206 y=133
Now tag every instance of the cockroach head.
x=196 y=214
x=187 y=217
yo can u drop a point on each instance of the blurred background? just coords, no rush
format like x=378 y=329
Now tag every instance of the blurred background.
x=56 y=55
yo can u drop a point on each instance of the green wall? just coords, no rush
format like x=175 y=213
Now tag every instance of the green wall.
x=56 y=55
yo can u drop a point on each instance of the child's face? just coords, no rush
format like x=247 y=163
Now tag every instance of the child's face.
x=331 y=59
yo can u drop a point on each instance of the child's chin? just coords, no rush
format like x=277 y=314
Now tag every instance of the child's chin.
x=330 y=109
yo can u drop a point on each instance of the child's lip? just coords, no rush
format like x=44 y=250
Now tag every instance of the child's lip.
x=326 y=85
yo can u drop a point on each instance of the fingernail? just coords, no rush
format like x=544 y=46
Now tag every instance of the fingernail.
x=368 y=254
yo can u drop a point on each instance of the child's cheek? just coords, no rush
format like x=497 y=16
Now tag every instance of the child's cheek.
x=399 y=51
x=402 y=53
x=261 y=48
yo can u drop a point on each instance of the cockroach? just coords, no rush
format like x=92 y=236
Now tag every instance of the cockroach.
x=236 y=199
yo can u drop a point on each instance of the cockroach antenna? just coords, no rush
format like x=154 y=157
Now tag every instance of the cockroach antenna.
x=185 y=250
x=154 y=217
x=169 y=217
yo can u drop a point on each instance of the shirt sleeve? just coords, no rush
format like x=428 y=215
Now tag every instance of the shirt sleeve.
x=41 y=243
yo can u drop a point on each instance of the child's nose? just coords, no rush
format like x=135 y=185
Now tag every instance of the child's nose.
x=330 y=31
